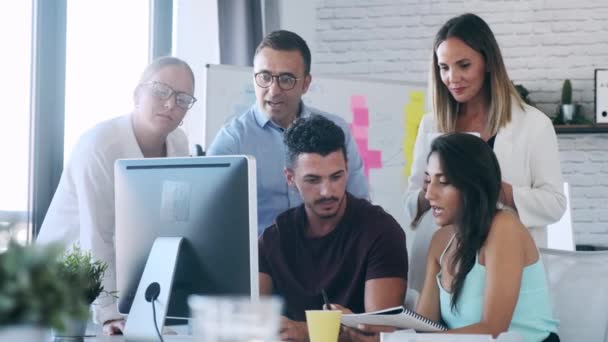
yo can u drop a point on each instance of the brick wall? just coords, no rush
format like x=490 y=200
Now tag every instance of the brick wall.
x=543 y=42
x=585 y=166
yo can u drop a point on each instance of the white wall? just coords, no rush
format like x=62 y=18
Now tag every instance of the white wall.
x=300 y=17
x=543 y=42
x=196 y=40
x=585 y=166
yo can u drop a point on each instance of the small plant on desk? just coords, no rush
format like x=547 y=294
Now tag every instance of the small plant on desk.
x=86 y=274
x=34 y=293
x=77 y=262
x=524 y=94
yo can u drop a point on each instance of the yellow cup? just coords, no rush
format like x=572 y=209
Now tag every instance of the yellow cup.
x=323 y=325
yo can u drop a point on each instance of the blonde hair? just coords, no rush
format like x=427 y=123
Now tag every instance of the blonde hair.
x=162 y=62
x=501 y=93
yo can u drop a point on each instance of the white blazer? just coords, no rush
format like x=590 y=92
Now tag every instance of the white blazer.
x=527 y=151
x=82 y=209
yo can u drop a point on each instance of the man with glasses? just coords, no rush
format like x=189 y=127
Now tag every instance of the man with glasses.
x=281 y=77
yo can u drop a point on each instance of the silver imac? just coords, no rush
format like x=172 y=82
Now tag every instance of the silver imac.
x=187 y=225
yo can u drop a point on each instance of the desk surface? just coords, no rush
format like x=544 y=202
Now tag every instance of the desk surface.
x=167 y=338
x=96 y=334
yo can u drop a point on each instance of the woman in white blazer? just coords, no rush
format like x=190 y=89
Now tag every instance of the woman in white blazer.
x=82 y=209
x=471 y=92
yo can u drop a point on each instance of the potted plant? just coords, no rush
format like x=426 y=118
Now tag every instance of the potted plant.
x=34 y=295
x=86 y=274
x=523 y=93
x=568 y=109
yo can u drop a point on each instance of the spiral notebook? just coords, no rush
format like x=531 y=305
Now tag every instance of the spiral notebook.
x=398 y=317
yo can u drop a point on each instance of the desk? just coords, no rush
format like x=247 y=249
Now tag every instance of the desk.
x=407 y=335
x=97 y=335
x=167 y=338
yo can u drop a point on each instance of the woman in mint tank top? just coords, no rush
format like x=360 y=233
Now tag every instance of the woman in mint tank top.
x=484 y=273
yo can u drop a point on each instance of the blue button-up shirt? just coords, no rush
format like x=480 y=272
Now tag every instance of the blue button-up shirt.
x=253 y=133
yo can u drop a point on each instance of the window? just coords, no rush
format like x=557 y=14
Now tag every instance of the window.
x=16 y=38
x=107 y=49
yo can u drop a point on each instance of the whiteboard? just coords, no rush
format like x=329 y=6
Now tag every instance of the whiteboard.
x=393 y=112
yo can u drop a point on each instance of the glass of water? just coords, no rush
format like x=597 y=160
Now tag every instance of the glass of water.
x=229 y=318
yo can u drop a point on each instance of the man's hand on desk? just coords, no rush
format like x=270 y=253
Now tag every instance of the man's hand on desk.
x=293 y=331
x=114 y=327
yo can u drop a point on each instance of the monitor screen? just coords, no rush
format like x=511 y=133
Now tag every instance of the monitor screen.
x=210 y=202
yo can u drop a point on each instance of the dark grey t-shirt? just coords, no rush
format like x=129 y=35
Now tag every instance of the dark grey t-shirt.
x=366 y=244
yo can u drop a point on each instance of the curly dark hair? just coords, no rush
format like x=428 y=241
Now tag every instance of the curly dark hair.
x=470 y=165
x=313 y=134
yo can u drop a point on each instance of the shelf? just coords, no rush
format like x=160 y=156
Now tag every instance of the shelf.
x=571 y=129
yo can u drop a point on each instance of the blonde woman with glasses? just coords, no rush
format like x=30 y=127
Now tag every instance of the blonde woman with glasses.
x=471 y=92
x=82 y=210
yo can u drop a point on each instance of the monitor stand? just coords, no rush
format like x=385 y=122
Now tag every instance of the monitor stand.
x=156 y=282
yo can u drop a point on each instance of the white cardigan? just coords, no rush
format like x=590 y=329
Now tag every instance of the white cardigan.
x=527 y=151
x=82 y=209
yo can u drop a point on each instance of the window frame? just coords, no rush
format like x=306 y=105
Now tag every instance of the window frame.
x=47 y=101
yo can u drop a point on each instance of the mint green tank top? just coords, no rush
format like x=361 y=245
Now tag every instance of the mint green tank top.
x=532 y=318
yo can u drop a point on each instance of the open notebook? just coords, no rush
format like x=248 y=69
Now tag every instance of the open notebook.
x=410 y=336
x=398 y=317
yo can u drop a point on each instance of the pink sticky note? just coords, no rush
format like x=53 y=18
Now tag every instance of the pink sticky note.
x=373 y=159
x=357 y=101
x=360 y=117
x=362 y=144
x=359 y=132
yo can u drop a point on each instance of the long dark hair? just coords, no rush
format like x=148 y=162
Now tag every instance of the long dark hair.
x=470 y=165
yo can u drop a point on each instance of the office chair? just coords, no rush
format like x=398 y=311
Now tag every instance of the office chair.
x=559 y=234
x=421 y=241
x=411 y=299
x=577 y=282
x=199 y=150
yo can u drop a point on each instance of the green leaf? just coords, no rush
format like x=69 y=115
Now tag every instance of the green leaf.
x=33 y=288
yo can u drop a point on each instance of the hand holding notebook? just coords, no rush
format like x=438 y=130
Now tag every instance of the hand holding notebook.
x=398 y=317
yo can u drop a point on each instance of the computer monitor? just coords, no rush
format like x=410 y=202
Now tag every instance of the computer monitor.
x=211 y=203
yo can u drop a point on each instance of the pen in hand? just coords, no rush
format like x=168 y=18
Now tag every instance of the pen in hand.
x=325 y=300
x=342 y=326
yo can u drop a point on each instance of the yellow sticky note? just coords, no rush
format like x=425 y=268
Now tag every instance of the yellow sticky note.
x=413 y=112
